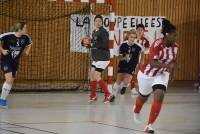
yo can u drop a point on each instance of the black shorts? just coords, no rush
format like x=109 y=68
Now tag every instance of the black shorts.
x=126 y=68
x=8 y=67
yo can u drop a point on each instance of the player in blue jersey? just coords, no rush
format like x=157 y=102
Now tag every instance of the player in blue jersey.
x=129 y=56
x=12 y=45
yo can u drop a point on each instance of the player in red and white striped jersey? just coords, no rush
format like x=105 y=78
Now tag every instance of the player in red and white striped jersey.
x=141 y=40
x=161 y=53
x=154 y=74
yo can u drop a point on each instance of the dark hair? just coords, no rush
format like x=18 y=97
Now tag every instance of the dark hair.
x=98 y=16
x=167 y=27
x=19 y=25
x=140 y=25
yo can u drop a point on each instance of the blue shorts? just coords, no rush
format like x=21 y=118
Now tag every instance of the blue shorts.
x=8 y=67
x=126 y=68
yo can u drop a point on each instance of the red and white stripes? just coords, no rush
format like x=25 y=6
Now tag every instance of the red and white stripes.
x=163 y=54
x=111 y=44
x=111 y=32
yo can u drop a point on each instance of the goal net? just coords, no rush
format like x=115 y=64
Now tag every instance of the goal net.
x=57 y=59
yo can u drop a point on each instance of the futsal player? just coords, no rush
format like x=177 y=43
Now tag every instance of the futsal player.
x=140 y=29
x=12 y=45
x=153 y=76
x=101 y=58
x=129 y=56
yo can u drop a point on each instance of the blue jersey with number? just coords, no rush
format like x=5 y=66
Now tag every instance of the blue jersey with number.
x=132 y=51
x=15 y=46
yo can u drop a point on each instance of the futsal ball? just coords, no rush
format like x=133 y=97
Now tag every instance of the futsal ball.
x=86 y=41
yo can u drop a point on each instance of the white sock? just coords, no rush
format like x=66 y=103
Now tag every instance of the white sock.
x=5 y=90
x=116 y=88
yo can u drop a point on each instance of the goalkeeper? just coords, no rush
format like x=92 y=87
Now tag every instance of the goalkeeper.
x=100 y=53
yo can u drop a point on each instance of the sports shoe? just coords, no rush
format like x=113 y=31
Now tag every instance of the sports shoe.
x=3 y=103
x=149 y=129
x=92 y=99
x=123 y=90
x=108 y=98
x=134 y=91
x=112 y=98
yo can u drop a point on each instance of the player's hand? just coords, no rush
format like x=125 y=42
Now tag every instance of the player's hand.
x=125 y=57
x=5 y=52
x=138 y=68
x=170 y=67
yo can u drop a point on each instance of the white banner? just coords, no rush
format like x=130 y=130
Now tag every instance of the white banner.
x=80 y=25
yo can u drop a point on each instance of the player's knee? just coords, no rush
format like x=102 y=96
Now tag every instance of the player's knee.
x=90 y=74
x=91 y=77
x=128 y=81
x=159 y=95
x=9 y=81
x=159 y=98
x=98 y=78
x=144 y=98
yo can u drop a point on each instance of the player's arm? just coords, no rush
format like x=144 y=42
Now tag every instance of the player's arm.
x=122 y=52
x=28 y=49
x=154 y=52
x=3 y=51
x=141 y=62
x=28 y=46
x=123 y=55
x=142 y=58
x=172 y=70
x=154 y=63
x=1 y=48
x=145 y=52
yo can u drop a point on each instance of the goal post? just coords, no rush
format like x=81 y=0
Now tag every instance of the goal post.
x=112 y=5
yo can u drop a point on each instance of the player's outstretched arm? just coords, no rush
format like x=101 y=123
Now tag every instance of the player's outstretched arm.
x=3 y=51
x=156 y=64
x=28 y=49
x=1 y=48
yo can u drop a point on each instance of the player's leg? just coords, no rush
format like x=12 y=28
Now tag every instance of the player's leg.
x=6 y=89
x=10 y=74
x=117 y=84
x=128 y=71
x=134 y=81
x=93 y=84
x=126 y=80
x=133 y=84
x=122 y=69
x=159 y=86
x=145 y=90
x=156 y=107
x=139 y=102
x=100 y=66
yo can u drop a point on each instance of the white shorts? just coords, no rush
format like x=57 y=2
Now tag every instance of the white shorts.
x=146 y=83
x=100 y=64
